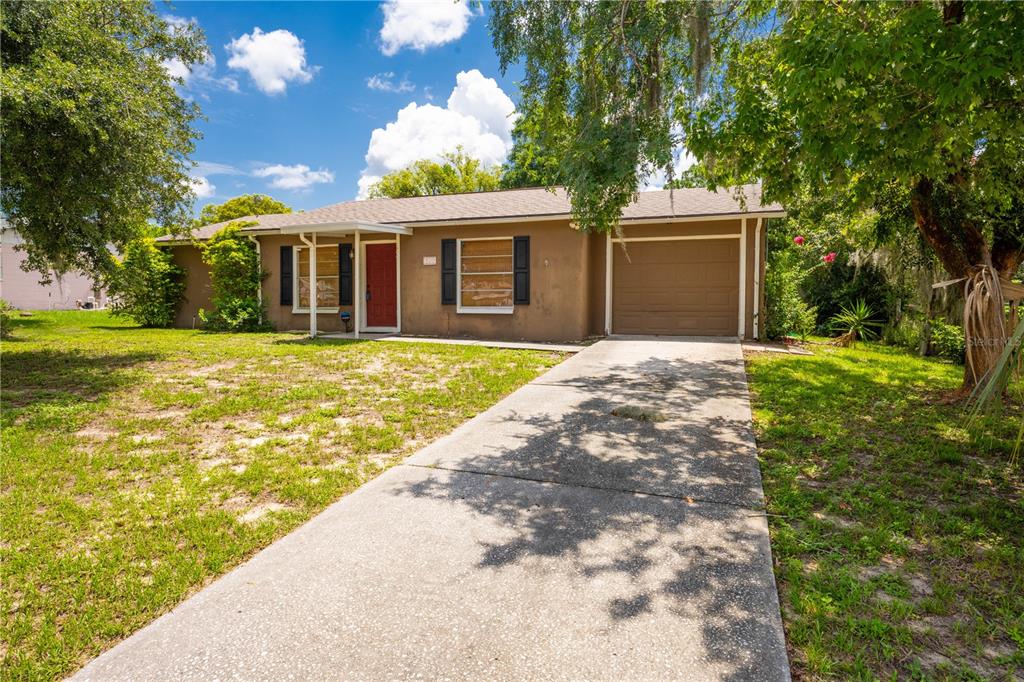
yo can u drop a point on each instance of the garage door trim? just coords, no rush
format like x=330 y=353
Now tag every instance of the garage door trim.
x=676 y=239
x=609 y=259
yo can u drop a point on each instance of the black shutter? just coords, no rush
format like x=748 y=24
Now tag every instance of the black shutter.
x=286 y=275
x=345 y=274
x=521 y=270
x=448 y=275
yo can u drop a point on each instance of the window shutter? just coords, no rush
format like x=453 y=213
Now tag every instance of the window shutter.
x=521 y=270
x=448 y=271
x=345 y=274
x=286 y=275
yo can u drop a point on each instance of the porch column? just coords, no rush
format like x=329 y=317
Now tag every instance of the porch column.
x=357 y=294
x=312 y=289
x=398 y=282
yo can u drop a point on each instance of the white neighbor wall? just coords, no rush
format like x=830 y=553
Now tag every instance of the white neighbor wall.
x=22 y=289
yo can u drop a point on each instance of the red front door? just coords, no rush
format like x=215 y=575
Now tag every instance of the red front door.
x=381 y=287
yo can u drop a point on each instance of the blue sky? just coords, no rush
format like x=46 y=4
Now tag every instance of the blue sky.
x=294 y=91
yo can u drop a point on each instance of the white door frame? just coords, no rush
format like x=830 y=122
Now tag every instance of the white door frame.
x=398 y=285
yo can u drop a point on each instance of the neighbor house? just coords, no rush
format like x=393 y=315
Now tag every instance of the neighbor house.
x=508 y=265
x=29 y=290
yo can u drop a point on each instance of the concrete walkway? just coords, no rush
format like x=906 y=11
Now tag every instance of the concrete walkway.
x=544 y=539
x=514 y=345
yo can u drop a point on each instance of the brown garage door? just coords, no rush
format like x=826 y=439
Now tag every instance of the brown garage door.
x=686 y=287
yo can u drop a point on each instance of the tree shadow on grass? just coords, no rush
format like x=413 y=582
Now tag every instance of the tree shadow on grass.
x=687 y=556
x=47 y=376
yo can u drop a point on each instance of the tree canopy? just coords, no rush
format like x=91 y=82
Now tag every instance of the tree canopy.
x=95 y=137
x=533 y=161
x=457 y=172
x=240 y=207
x=841 y=98
x=694 y=176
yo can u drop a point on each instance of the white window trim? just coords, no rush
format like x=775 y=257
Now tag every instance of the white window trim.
x=481 y=310
x=295 y=282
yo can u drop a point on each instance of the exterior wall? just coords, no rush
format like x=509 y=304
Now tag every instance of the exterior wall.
x=567 y=281
x=197 y=286
x=559 y=285
x=22 y=289
x=596 y=255
x=281 y=316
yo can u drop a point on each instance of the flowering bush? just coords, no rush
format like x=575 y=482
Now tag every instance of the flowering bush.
x=787 y=313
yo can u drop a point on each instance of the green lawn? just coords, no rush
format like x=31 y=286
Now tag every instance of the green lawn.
x=138 y=464
x=898 y=536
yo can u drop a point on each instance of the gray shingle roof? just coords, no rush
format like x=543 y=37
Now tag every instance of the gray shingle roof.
x=517 y=203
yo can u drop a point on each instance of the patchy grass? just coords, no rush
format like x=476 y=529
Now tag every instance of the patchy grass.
x=898 y=536
x=139 y=464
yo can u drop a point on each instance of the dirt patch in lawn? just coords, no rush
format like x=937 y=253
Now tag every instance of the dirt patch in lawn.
x=143 y=463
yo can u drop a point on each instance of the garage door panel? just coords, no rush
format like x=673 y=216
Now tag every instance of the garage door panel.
x=686 y=287
x=724 y=299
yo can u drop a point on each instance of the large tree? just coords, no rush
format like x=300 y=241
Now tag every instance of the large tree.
x=457 y=172
x=240 y=207
x=533 y=161
x=95 y=139
x=838 y=97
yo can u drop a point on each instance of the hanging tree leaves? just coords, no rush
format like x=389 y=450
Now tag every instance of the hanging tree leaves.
x=95 y=138
x=828 y=97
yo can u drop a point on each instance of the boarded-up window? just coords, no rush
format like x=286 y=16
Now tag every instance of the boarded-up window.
x=486 y=274
x=327 y=276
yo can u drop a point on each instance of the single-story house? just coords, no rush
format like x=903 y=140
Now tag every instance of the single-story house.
x=508 y=265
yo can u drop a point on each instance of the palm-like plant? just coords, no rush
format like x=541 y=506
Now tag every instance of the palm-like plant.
x=987 y=396
x=855 y=322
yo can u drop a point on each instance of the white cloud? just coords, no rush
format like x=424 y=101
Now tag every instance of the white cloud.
x=199 y=76
x=479 y=116
x=178 y=23
x=422 y=24
x=385 y=82
x=681 y=161
x=206 y=168
x=201 y=187
x=272 y=59
x=176 y=69
x=297 y=177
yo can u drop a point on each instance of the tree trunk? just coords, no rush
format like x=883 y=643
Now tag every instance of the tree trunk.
x=964 y=252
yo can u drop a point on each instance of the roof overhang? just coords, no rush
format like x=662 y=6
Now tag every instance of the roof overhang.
x=344 y=228
x=707 y=217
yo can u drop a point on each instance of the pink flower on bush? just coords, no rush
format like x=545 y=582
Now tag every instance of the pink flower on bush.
x=798 y=240
x=829 y=257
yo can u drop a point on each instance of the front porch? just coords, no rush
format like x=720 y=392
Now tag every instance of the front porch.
x=376 y=275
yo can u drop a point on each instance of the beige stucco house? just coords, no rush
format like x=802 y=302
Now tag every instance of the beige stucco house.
x=508 y=265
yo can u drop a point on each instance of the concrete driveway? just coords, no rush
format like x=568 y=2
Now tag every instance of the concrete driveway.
x=546 y=538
